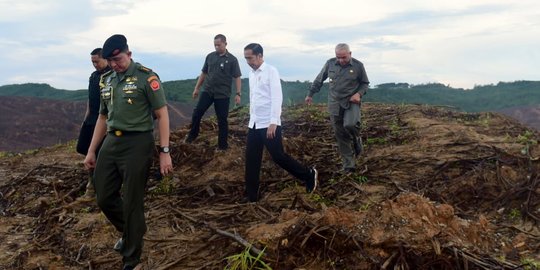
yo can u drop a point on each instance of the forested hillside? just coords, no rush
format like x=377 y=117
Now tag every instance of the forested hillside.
x=41 y=90
x=480 y=98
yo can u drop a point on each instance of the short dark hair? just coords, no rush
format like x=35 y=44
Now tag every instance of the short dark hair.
x=221 y=36
x=96 y=51
x=256 y=48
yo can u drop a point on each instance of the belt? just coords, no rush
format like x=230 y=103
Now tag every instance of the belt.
x=120 y=133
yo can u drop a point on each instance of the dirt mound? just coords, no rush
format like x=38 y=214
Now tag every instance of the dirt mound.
x=436 y=189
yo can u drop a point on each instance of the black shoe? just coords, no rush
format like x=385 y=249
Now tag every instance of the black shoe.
x=188 y=139
x=311 y=185
x=357 y=146
x=119 y=245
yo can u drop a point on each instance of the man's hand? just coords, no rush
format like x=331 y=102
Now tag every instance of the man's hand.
x=309 y=100
x=356 y=98
x=237 y=100
x=90 y=161
x=271 y=131
x=165 y=164
x=195 y=93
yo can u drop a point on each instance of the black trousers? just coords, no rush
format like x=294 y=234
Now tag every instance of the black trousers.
x=221 y=106
x=85 y=137
x=256 y=141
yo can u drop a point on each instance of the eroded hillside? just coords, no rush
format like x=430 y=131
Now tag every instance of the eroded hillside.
x=28 y=123
x=436 y=189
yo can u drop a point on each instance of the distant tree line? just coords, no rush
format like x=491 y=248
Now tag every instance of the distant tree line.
x=480 y=98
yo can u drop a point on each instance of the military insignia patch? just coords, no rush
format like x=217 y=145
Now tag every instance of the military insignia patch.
x=129 y=87
x=154 y=85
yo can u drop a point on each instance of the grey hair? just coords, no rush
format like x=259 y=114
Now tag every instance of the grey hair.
x=343 y=47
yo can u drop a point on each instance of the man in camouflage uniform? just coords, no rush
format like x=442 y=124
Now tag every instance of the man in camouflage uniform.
x=129 y=95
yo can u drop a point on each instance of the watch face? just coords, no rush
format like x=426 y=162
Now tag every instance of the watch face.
x=165 y=149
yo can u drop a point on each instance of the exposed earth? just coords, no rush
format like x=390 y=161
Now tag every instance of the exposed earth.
x=28 y=122
x=435 y=189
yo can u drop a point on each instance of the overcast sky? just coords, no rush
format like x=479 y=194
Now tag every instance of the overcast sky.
x=460 y=43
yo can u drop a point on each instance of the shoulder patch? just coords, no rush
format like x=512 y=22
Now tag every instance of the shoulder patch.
x=155 y=85
x=144 y=69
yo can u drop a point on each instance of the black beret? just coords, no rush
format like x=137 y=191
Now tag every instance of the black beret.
x=114 y=45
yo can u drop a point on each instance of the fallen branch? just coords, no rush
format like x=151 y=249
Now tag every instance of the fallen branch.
x=234 y=236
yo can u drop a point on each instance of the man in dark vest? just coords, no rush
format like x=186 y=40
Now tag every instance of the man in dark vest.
x=92 y=111
x=219 y=69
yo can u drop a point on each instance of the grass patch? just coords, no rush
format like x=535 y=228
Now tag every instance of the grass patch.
x=245 y=261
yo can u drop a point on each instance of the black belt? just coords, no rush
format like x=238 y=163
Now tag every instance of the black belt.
x=120 y=133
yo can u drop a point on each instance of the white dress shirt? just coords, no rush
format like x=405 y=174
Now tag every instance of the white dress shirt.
x=265 y=97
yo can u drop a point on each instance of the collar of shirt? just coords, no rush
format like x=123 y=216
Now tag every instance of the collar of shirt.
x=226 y=54
x=260 y=69
x=338 y=64
x=129 y=72
x=107 y=68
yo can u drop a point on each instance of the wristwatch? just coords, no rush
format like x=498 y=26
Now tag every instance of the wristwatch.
x=164 y=149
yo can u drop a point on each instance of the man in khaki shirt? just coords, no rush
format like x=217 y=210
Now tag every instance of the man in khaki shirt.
x=348 y=83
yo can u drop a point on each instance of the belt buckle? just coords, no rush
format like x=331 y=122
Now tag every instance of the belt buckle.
x=118 y=133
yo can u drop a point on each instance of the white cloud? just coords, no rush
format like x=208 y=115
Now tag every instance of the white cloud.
x=461 y=43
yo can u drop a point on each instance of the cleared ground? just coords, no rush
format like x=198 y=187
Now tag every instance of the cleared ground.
x=436 y=189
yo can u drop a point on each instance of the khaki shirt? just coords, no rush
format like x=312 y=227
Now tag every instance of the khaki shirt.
x=344 y=81
x=129 y=99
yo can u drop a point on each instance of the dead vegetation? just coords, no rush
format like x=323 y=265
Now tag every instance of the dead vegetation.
x=436 y=189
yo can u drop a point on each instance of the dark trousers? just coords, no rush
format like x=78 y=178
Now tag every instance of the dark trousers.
x=83 y=142
x=347 y=132
x=256 y=141
x=85 y=138
x=221 y=106
x=120 y=179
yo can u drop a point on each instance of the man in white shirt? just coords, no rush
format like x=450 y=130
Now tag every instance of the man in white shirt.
x=265 y=98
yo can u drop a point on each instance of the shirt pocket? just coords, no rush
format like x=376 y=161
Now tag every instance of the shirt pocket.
x=263 y=82
x=351 y=74
x=332 y=76
x=130 y=94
